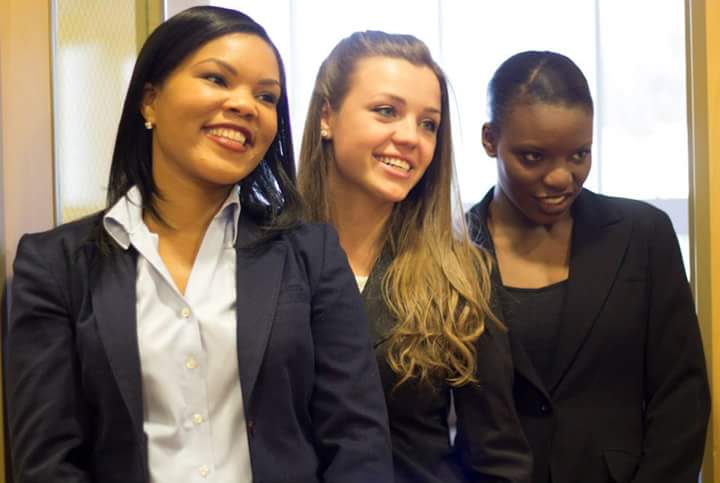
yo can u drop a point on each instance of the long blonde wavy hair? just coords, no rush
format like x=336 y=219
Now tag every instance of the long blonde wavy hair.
x=437 y=286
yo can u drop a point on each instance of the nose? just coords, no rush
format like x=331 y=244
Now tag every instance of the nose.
x=242 y=103
x=559 y=178
x=406 y=132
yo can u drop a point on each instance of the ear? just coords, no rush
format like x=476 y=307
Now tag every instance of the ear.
x=147 y=106
x=489 y=139
x=327 y=120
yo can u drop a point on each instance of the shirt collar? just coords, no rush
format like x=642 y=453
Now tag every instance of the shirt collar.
x=125 y=217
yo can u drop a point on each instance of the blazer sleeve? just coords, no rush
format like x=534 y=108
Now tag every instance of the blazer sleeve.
x=348 y=406
x=676 y=389
x=492 y=445
x=45 y=410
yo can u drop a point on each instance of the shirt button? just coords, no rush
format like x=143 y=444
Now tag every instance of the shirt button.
x=544 y=408
x=191 y=363
x=185 y=312
x=197 y=418
x=204 y=471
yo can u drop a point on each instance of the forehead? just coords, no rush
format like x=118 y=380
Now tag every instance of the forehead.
x=377 y=75
x=544 y=122
x=243 y=51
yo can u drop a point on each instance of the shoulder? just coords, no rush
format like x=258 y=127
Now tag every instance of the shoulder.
x=310 y=236
x=68 y=237
x=315 y=246
x=640 y=213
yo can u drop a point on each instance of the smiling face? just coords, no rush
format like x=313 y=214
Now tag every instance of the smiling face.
x=385 y=130
x=214 y=116
x=543 y=158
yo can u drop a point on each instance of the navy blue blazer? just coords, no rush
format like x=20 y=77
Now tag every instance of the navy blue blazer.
x=314 y=405
x=628 y=398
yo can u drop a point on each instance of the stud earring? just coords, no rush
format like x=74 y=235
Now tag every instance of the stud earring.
x=148 y=125
x=324 y=133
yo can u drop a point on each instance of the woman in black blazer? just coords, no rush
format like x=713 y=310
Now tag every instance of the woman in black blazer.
x=610 y=376
x=195 y=329
x=376 y=161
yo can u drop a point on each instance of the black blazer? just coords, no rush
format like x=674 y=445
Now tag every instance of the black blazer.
x=313 y=403
x=489 y=445
x=628 y=398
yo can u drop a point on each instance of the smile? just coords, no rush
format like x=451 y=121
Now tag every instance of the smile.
x=226 y=133
x=554 y=200
x=394 y=162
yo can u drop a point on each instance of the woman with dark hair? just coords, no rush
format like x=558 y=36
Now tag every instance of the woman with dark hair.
x=195 y=330
x=376 y=162
x=610 y=378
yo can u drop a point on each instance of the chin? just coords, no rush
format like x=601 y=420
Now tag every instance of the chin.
x=393 y=197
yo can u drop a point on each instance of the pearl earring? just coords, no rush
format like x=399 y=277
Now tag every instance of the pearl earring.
x=324 y=133
x=148 y=125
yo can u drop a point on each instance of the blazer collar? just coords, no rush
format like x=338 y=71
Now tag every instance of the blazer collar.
x=258 y=278
x=600 y=237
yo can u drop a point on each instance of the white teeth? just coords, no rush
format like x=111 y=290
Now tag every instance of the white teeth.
x=231 y=134
x=554 y=200
x=395 y=162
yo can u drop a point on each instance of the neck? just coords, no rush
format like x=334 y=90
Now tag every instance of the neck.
x=360 y=223
x=184 y=207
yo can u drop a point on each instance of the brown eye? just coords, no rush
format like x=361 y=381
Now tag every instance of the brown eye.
x=269 y=98
x=531 y=157
x=581 y=155
x=215 y=79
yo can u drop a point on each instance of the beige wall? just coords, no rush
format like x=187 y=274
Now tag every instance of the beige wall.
x=26 y=166
x=25 y=121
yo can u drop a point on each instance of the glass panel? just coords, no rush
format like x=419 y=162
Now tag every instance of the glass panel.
x=93 y=60
x=642 y=124
x=641 y=133
x=481 y=37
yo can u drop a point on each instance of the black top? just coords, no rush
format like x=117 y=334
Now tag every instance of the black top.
x=489 y=445
x=533 y=315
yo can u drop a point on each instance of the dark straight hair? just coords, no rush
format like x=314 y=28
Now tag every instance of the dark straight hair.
x=535 y=76
x=268 y=193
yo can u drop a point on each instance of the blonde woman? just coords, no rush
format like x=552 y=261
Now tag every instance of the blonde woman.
x=376 y=162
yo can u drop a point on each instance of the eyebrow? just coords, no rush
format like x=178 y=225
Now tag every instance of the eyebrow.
x=399 y=99
x=233 y=71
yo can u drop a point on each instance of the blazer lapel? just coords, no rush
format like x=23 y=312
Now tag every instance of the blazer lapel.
x=112 y=283
x=258 y=278
x=599 y=241
x=477 y=222
x=381 y=322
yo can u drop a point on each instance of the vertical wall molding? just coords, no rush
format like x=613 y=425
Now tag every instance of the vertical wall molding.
x=703 y=81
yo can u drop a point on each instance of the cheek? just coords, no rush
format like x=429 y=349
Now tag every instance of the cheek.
x=514 y=179
x=268 y=130
x=582 y=173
